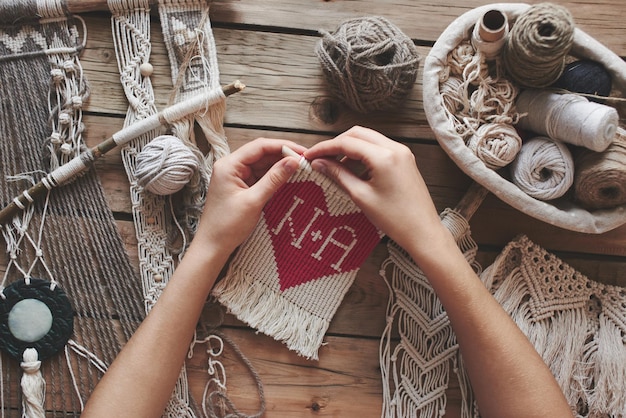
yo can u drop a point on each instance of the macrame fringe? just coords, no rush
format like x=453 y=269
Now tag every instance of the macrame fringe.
x=297 y=328
x=575 y=324
x=415 y=372
x=33 y=386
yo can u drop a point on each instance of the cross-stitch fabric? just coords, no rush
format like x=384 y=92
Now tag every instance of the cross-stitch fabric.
x=289 y=277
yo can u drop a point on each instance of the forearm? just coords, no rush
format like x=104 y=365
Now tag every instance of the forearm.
x=508 y=376
x=141 y=379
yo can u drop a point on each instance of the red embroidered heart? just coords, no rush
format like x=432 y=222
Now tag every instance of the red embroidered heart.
x=309 y=242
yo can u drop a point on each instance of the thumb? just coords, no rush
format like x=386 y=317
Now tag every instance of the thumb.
x=275 y=177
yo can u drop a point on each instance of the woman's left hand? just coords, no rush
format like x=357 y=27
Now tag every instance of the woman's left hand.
x=241 y=185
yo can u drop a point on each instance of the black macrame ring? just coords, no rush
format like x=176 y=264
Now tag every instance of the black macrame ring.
x=62 y=318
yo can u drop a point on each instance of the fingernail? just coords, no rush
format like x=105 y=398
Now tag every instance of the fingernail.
x=319 y=165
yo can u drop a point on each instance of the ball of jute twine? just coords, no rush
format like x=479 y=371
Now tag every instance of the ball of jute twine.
x=543 y=169
x=495 y=144
x=600 y=180
x=369 y=63
x=535 y=51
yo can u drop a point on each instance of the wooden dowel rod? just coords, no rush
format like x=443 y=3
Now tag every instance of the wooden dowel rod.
x=83 y=6
x=78 y=164
x=471 y=200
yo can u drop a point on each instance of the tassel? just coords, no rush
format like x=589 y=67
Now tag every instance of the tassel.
x=33 y=385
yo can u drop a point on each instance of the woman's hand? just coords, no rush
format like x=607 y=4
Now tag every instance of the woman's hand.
x=391 y=192
x=240 y=186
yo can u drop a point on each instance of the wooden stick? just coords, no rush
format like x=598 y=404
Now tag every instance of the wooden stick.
x=471 y=200
x=81 y=163
x=82 y=6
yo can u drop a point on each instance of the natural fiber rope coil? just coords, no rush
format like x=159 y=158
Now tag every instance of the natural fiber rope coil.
x=495 y=144
x=369 y=63
x=543 y=169
x=165 y=165
x=600 y=179
x=534 y=53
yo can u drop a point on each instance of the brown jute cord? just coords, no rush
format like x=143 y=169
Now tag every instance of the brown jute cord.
x=534 y=54
x=600 y=179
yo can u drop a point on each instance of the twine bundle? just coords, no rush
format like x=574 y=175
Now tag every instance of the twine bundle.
x=535 y=51
x=165 y=165
x=369 y=63
x=569 y=118
x=543 y=169
x=600 y=180
x=495 y=144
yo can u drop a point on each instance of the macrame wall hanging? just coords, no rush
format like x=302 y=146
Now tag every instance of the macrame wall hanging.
x=289 y=277
x=66 y=262
x=165 y=213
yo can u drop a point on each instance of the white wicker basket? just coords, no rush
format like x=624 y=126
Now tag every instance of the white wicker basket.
x=562 y=213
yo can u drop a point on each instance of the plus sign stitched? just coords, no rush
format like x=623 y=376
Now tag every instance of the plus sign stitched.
x=289 y=277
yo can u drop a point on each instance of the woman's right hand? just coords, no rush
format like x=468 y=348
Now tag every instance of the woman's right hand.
x=391 y=192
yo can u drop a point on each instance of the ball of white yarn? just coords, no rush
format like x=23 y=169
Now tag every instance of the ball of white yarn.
x=495 y=144
x=543 y=169
x=165 y=165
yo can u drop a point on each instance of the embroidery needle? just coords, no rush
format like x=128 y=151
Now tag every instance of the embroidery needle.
x=82 y=162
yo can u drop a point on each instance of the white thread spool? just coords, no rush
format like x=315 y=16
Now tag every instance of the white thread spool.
x=569 y=118
x=165 y=165
x=543 y=169
x=490 y=32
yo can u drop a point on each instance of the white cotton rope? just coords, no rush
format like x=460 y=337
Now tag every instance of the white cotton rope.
x=568 y=117
x=33 y=385
x=165 y=165
x=543 y=169
x=495 y=144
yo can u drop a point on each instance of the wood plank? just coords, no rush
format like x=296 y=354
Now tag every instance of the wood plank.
x=421 y=20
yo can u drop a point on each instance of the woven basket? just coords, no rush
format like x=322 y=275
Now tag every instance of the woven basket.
x=563 y=213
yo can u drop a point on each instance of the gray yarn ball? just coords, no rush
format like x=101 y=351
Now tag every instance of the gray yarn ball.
x=369 y=63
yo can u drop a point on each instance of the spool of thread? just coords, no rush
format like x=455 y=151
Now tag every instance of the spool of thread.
x=600 y=180
x=568 y=117
x=495 y=144
x=369 y=63
x=165 y=165
x=586 y=77
x=489 y=33
x=535 y=51
x=543 y=169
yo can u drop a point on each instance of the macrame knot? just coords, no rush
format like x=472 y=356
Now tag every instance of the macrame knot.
x=165 y=165
x=369 y=63
x=77 y=102
x=57 y=75
x=65 y=118
x=31 y=363
x=69 y=66
x=55 y=138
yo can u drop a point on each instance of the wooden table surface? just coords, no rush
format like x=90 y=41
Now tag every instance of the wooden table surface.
x=269 y=45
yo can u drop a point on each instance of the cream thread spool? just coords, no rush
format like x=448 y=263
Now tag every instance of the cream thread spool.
x=490 y=32
x=568 y=117
x=495 y=144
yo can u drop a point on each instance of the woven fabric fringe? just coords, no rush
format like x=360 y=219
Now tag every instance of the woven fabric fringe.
x=576 y=324
x=285 y=281
x=416 y=370
x=42 y=94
